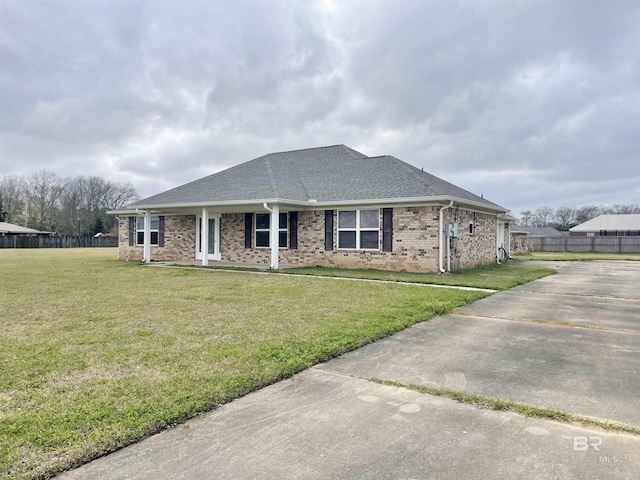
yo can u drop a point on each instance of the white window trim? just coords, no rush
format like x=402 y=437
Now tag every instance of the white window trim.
x=285 y=229
x=358 y=229
x=152 y=230
x=280 y=230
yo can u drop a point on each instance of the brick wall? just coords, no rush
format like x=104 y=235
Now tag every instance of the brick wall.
x=477 y=248
x=179 y=240
x=232 y=243
x=415 y=242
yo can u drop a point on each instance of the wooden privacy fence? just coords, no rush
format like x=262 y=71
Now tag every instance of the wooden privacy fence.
x=585 y=244
x=45 y=241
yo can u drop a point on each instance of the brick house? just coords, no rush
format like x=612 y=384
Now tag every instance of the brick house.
x=327 y=206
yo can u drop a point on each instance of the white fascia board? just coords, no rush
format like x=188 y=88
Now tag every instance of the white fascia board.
x=229 y=203
x=439 y=200
x=316 y=205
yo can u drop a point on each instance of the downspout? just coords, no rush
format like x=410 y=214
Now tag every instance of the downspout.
x=441 y=235
x=147 y=237
x=499 y=241
x=273 y=234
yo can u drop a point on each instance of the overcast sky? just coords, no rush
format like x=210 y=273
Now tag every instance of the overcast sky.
x=530 y=103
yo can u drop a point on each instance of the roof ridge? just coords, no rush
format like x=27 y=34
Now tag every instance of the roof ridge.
x=301 y=180
x=308 y=148
x=272 y=177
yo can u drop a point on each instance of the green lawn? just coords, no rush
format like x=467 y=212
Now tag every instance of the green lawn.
x=576 y=256
x=96 y=353
x=494 y=276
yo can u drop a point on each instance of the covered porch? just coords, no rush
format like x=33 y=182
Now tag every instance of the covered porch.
x=213 y=234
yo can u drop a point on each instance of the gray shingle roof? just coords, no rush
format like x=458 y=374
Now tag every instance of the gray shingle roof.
x=540 y=231
x=621 y=221
x=11 y=228
x=326 y=174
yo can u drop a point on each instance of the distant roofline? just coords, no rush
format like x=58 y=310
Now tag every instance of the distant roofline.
x=595 y=224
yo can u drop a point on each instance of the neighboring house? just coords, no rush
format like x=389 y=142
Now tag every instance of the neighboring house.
x=522 y=238
x=623 y=224
x=327 y=206
x=538 y=231
x=11 y=229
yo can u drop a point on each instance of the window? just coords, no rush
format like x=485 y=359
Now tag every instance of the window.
x=263 y=221
x=262 y=229
x=155 y=228
x=282 y=231
x=359 y=229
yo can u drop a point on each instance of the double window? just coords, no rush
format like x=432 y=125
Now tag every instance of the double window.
x=263 y=227
x=155 y=228
x=359 y=229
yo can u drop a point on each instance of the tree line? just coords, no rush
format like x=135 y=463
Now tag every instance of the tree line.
x=563 y=218
x=67 y=206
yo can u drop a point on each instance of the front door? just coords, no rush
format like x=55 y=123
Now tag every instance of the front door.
x=213 y=247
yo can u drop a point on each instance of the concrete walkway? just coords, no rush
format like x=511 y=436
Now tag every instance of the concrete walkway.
x=570 y=341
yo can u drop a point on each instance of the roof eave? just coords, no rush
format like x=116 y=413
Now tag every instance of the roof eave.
x=415 y=200
x=312 y=204
x=138 y=209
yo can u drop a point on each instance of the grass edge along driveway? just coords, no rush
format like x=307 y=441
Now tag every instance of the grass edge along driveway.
x=97 y=354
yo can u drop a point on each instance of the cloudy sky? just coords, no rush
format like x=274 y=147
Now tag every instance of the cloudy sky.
x=529 y=102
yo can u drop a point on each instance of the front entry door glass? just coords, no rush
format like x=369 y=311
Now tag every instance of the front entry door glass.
x=212 y=238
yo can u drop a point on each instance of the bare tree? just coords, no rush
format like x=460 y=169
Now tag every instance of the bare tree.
x=3 y=214
x=85 y=202
x=45 y=188
x=13 y=192
x=588 y=212
x=542 y=217
x=525 y=218
x=119 y=195
x=618 y=209
x=565 y=217
x=70 y=206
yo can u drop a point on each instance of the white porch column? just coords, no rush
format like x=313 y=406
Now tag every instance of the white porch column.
x=204 y=237
x=146 y=248
x=274 y=239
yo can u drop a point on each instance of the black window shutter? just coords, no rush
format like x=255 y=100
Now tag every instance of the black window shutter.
x=293 y=230
x=387 y=229
x=248 y=229
x=328 y=229
x=132 y=231
x=161 y=231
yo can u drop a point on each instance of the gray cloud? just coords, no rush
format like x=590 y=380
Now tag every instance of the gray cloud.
x=530 y=102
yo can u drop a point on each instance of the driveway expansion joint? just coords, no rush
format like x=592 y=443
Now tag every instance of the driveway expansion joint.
x=552 y=323
x=523 y=409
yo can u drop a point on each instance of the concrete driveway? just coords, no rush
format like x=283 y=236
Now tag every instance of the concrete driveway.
x=570 y=341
